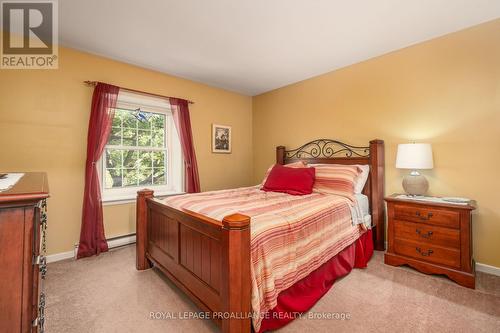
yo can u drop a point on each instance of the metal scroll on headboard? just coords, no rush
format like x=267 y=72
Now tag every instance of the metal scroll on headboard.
x=336 y=152
x=326 y=148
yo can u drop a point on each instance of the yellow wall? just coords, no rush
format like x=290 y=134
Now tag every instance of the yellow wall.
x=445 y=91
x=43 y=127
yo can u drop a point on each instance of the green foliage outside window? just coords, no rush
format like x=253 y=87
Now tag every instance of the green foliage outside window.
x=136 y=153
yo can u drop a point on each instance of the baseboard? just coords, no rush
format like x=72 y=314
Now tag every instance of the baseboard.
x=487 y=269
x=60 y=256
x=112 y=243
x=121 y=241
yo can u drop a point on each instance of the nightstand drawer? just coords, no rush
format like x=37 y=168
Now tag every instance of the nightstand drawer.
x=430 y=253
x=428 y=234
x=435 y=216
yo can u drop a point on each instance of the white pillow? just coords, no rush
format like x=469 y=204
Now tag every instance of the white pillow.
x=362 y=178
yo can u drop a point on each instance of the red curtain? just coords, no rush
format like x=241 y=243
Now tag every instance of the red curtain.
x=180 y=112
x=92 y=239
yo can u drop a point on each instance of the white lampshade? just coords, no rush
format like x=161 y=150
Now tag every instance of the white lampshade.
x=414 y=156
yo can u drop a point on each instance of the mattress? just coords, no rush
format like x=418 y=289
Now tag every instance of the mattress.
x=362 y=201
x=360 y=211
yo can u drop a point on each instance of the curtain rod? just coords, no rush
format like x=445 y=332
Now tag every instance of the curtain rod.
x=94 y=83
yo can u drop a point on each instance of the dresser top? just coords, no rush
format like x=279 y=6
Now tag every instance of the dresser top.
x=394 y=198
x=31 y=187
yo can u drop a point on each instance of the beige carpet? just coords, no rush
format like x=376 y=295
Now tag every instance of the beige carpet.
x=107 y=294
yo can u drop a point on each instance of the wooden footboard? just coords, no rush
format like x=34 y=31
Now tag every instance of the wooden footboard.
x=207 y=259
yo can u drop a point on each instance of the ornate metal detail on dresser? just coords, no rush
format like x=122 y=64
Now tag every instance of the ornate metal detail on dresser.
x=41 y=261
x=326 y=148
x=43 y=226
x=23 y=226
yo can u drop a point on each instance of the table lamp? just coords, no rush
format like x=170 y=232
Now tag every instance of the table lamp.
x=414 y=156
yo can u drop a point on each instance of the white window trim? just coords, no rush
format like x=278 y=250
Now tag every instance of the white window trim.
x=174 y=186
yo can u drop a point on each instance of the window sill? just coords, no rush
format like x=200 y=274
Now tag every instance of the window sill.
x=123 y=200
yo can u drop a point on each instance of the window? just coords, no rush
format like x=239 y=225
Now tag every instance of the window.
x=143 y=149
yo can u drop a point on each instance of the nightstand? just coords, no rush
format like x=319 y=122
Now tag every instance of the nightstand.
x=432 y=237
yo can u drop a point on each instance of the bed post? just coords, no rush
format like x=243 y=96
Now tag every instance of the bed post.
x=141 y=229
x=280 y=155
x=377 y=192
x=236 y=284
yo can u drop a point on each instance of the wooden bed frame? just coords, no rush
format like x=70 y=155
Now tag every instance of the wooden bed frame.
x=210 y=260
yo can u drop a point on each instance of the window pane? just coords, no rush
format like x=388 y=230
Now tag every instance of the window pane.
x=145 y=176
x=145 y=159
x=129 y=177
x=158 y=121
x=144 y=138
x=115 y=137
x=145 y=122
x=158 y=158
x=113 y=178
x=159 y=177
x=158 y=138
x=129 y=137
x=130 y=158
x=129 y=121
x=113 y=158
x=136 y=166
x=117 y=119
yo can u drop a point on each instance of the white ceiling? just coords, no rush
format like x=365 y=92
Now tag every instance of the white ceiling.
x=253 y=46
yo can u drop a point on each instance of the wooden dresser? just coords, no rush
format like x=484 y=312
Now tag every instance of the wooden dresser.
x=23 y=221
x=434 y=238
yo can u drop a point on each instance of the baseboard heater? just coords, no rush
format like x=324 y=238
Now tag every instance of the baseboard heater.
x=115 y=242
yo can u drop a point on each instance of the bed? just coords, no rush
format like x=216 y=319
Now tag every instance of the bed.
x=215 y=258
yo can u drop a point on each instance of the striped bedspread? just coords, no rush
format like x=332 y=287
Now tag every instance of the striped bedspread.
x=291 y=236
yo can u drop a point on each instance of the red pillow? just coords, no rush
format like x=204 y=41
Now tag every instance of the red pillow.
x=295 y=181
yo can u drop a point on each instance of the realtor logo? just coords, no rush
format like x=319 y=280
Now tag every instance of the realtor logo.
x=29 y=37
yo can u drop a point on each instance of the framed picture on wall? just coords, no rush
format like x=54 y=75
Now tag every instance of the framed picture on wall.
x=221 y=139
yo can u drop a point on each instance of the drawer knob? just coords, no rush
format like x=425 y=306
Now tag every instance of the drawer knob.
x=424 y=253
x=423 y=217
x=428 y=234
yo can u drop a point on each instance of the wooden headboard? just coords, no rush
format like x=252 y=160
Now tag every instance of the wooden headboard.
x=336 y=152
